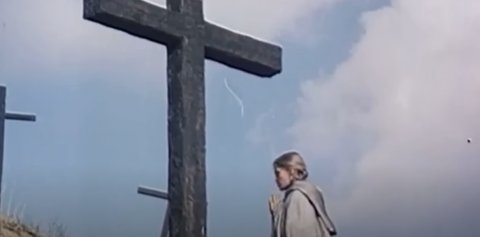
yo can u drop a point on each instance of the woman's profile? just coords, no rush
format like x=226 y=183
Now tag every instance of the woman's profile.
x=301 y=212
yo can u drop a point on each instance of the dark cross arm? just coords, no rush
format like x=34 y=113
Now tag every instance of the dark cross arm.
x=10 y=115
x=160 y=25
x=152 y=192
x=242 y=52
x=137 y=18
x=20 y=116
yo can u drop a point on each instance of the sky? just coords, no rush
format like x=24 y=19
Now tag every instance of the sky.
x=379 y=96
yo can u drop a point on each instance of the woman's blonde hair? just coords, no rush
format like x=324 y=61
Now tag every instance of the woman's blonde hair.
x=294 y=163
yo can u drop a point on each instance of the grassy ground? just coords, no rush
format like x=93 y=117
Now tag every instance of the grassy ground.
x=10 y=227
x=13 y=227
x=13 y=224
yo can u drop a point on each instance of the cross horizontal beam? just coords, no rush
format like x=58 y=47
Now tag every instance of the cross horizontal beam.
x=160 y=25
x=137 y=18
x=20 y=116
x=241 y=51
x=152 y=192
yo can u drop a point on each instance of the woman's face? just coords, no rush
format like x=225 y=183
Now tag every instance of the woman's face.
x=283 y=178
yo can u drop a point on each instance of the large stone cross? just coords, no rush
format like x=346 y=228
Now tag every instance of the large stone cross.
x=189 y=40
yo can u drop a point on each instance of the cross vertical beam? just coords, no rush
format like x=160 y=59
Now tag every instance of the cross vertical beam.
x=189 y=40
x=186 y=134
x=4 y=115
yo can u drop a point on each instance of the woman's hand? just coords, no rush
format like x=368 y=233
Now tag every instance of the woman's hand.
x=273 y=203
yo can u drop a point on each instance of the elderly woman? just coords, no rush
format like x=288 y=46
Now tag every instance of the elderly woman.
x=302 y=211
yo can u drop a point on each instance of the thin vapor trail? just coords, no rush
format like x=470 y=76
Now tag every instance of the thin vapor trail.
x=237 y=98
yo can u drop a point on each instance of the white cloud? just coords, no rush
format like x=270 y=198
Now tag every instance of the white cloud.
x=401 y=109
x=267 y=19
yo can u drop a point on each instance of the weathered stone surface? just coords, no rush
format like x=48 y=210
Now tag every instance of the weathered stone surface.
x=189 y=40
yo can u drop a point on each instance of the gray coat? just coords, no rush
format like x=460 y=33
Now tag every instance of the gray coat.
x=302 y=213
